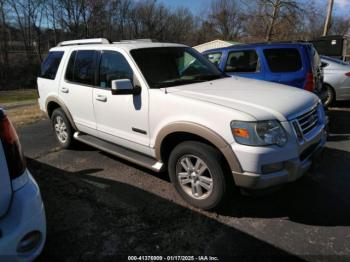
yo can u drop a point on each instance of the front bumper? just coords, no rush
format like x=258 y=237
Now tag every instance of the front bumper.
x=26 y=214
x=295 y=165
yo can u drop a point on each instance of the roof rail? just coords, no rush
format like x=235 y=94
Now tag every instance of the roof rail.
x=148 y=40
x=85 y=42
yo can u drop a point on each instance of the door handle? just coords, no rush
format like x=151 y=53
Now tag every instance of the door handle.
x=101 y=98
x=64 y=90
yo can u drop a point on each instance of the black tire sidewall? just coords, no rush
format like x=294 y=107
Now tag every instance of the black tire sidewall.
x=213 y=160
x=330 y=95
x=59 y=112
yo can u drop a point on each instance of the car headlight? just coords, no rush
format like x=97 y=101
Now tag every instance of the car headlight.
x=259 y=133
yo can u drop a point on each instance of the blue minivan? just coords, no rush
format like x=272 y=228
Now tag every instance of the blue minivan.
x=293 y=63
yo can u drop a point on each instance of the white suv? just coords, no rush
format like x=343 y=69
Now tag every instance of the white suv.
x=164 y=105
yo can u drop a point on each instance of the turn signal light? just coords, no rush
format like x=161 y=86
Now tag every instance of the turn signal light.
x=241 y=132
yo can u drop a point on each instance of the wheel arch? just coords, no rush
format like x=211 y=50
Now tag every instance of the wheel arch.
x=53 y=103
x=178 y=132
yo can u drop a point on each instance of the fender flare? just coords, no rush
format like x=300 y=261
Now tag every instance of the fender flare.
x=62 y=106
x=202 y=131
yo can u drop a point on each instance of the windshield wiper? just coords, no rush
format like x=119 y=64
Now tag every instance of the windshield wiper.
x=177 y=82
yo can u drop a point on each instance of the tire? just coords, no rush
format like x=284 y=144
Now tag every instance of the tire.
x=62 y=128
x=210 y=196
x=330 y=95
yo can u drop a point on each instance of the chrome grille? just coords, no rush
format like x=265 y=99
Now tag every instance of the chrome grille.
x=308 y=121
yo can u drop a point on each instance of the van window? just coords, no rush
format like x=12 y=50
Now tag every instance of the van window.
x=283 y=59
x=215 y=58
x=50 y=65
x=245 y=61
x=81 y=67
x=113 y=66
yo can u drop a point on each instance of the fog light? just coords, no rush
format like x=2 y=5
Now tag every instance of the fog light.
x=29 y=242
x=270 y=168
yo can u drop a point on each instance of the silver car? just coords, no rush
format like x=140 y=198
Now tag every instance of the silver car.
x=336 y=79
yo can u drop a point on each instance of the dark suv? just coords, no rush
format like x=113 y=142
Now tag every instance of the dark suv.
x=294 y=63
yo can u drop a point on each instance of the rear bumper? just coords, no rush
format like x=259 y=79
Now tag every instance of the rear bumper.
x=294 y=168
x=26 y=214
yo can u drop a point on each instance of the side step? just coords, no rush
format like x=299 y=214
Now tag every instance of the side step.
x=119 y=151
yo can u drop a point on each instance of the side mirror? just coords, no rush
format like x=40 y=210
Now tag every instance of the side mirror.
x=124 y=87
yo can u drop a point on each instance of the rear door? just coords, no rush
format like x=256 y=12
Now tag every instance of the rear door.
x=244 y=63
x=76 y=88
x=5 y=183
x=285 y=66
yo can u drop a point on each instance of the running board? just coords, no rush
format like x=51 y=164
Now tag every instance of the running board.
x=119 y=151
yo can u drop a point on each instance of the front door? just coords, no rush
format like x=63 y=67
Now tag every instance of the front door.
x=244 y=63
x=121 y=119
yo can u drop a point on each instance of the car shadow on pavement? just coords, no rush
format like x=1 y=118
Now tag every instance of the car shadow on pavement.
x=90 y=217
x=321 y=198
x=339 y=121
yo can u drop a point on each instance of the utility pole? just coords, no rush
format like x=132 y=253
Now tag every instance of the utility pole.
x=329 y=17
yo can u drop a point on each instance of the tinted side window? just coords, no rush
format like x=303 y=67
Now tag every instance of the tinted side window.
x=245 y=61
x=214 y=57
x=50 y=65
x=81 y=67
x=283 y=59
x=113 y=66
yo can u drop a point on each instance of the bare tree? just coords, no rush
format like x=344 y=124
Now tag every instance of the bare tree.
x=4 y=36
x=226 y=18
x=277 y=11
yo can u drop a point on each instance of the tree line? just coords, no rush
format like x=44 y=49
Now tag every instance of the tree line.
x=28 y=28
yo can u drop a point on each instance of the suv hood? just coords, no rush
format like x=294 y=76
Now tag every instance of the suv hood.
x=260 y=99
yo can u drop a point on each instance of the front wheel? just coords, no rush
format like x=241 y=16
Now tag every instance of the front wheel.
x=197 y=172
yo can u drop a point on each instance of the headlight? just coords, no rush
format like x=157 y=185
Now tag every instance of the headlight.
x=260 y=133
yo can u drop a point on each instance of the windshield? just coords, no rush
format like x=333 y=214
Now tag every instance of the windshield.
x=173 y=66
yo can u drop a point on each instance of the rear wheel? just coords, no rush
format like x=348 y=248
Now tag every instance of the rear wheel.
x=62 y=128
x=197 y=172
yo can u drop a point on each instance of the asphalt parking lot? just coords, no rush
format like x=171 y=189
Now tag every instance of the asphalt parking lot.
x=99 y=206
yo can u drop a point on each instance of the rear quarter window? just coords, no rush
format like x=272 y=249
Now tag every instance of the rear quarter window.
x=50 y=65
x=283 y=59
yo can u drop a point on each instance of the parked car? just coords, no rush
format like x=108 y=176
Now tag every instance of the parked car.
x=22 y=214
x=336 y=79
x=295 y=63
x=164 y=105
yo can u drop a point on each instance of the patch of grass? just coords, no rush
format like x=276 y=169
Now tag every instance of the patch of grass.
x=18 y=96
x=25 y=115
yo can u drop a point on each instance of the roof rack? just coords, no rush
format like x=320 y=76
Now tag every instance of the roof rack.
x=147 y=40
x=85 y=42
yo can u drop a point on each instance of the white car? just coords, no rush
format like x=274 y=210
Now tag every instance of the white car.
x=164 y=106
x=336 y=79
x=22 y=214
